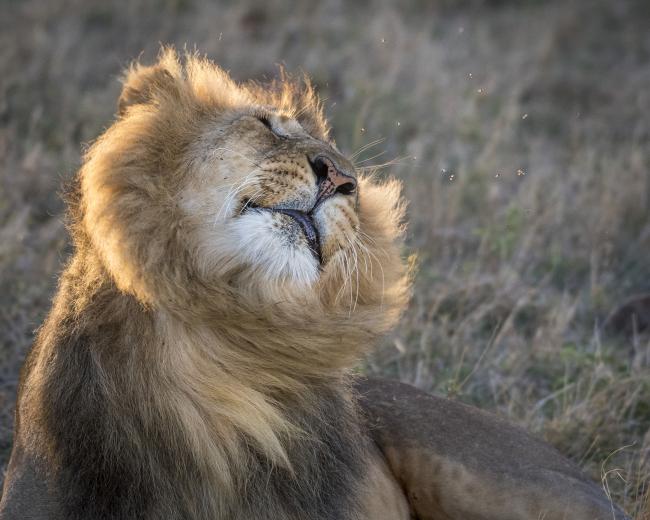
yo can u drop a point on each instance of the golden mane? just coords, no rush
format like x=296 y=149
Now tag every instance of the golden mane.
x=224 y=364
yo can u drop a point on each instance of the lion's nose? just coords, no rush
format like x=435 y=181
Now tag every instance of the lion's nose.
x=331 y=179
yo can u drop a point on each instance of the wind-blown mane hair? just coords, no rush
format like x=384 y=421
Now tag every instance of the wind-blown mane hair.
x=211 y=372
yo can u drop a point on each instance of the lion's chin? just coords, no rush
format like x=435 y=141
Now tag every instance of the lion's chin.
x=275 y=249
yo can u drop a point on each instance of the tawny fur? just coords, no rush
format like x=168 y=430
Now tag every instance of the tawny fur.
x=226 y=365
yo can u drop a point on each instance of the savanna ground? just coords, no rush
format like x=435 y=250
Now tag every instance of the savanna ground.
x=521 y=131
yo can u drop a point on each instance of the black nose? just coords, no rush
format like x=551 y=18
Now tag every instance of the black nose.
x=331 y=179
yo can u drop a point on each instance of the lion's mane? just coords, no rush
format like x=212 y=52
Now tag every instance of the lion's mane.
x=147 y=367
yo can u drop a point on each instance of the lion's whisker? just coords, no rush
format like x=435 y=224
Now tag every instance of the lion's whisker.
x=373 y=255
x=366 y=147
x=369 y=158
x=233 y=192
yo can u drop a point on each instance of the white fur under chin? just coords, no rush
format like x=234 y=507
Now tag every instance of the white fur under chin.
x=255 y=240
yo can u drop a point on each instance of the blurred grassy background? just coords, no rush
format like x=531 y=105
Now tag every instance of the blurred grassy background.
x=521 y=130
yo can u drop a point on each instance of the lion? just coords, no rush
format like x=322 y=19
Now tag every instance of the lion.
x=230 y=269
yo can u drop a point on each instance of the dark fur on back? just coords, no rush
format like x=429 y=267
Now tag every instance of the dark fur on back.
x=108 y=462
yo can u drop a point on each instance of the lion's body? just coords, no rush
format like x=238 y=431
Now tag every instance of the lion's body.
x=230 y=268
x=81 y=407
x=456 y=462
x=117 y=462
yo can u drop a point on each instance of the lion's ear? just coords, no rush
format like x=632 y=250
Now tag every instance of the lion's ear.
x=142 y=83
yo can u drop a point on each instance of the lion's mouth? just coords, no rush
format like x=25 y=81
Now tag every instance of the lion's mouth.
x=306 y=223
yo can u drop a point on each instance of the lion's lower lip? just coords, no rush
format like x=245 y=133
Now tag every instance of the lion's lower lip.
x=303 y=219
x=306 y=223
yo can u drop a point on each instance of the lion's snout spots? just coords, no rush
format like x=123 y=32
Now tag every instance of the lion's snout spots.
x=287 y=183
x=320 y=187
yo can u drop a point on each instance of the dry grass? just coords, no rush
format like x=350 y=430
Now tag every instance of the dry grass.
x=520 y=130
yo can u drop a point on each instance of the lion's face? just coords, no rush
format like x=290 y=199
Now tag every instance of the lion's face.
x=207 y=190
x=265 y=194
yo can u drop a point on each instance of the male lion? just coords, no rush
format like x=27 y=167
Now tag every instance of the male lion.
x=230 y=268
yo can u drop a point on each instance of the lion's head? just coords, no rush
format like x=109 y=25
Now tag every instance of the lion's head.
x=225 y=201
